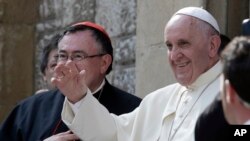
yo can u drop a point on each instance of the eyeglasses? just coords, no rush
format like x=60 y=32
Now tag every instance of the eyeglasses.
x=76 y=56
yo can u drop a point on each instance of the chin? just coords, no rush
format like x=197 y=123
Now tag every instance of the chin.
x=182 y=82
x=183 y=78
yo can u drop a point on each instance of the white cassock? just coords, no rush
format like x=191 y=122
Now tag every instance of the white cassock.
x=167 y=114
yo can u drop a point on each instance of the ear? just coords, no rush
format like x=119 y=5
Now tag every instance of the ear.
x=231 y=95
x=106 y=62
x=214 y=45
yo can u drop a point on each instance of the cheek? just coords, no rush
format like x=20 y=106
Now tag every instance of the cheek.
x=200 y=62
x=49 y=76
x=48 y=73
x=81 y=66
x=90 y=69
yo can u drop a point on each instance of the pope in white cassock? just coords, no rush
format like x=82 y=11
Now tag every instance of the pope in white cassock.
x=167 y=114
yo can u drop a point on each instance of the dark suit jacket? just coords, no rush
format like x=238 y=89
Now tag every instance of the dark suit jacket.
x=246 y=27
x=212 y=125
x=39 y=116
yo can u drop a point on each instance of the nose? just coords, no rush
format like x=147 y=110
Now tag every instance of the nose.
x=69 y=59
x=175 y=53
x=65 y=59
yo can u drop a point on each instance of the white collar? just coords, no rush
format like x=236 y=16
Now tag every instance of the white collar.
x=207 y=76
x=100 y=87
x=247 y=122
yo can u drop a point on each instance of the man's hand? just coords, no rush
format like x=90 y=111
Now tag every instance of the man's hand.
x=70 y=81
x=64 y=136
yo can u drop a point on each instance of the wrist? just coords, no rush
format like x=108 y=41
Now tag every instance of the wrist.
x=78 y=97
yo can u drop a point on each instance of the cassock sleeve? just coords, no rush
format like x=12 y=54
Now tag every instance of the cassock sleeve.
x=94 y=122
x=10 y=128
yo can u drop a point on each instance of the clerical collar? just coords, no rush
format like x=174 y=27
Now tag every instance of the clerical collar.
x=100 y=87
x=207 y=77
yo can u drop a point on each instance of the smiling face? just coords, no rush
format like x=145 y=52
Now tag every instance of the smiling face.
x=83 y=43
x=190 y=48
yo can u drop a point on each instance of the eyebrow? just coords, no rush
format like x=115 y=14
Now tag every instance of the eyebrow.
x=183 y=41
x=76 y=51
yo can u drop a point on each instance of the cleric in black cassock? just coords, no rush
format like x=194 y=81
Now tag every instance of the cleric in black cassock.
x=39 y=116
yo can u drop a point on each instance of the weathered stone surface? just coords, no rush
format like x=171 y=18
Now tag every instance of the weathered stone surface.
x=124 y=78
x=124 y=63
x=124 y=50
x=1 y=56
x=56 y=14
x=118 y=16
x=20 y=11
x=17 y=63
x=17 y=49
x=16 y=52
x=152 y=67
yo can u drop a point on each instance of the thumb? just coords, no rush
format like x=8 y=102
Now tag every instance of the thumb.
x=82 y=75
x=82 y=79
x=82 y=71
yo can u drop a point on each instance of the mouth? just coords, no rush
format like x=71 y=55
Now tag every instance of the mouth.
x=181 y=65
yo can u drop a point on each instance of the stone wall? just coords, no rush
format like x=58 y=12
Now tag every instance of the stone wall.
x=117 y=16
x=17 y=41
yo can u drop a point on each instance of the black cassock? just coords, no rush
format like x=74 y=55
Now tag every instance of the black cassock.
x=211 y=124
x=39 y=116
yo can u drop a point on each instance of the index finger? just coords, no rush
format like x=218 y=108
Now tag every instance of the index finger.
x=72 y=66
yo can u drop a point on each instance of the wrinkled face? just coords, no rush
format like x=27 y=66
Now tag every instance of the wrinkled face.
x=188 y=48
x=82 y=43
x=49 y=71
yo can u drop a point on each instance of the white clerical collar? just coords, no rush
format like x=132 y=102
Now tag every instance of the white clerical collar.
x=75 y=107
x=207 y=77
x=100 y=87
x=247 y=122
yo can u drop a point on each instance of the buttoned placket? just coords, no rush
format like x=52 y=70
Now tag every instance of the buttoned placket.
x=180 y=111
x=186 y=104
